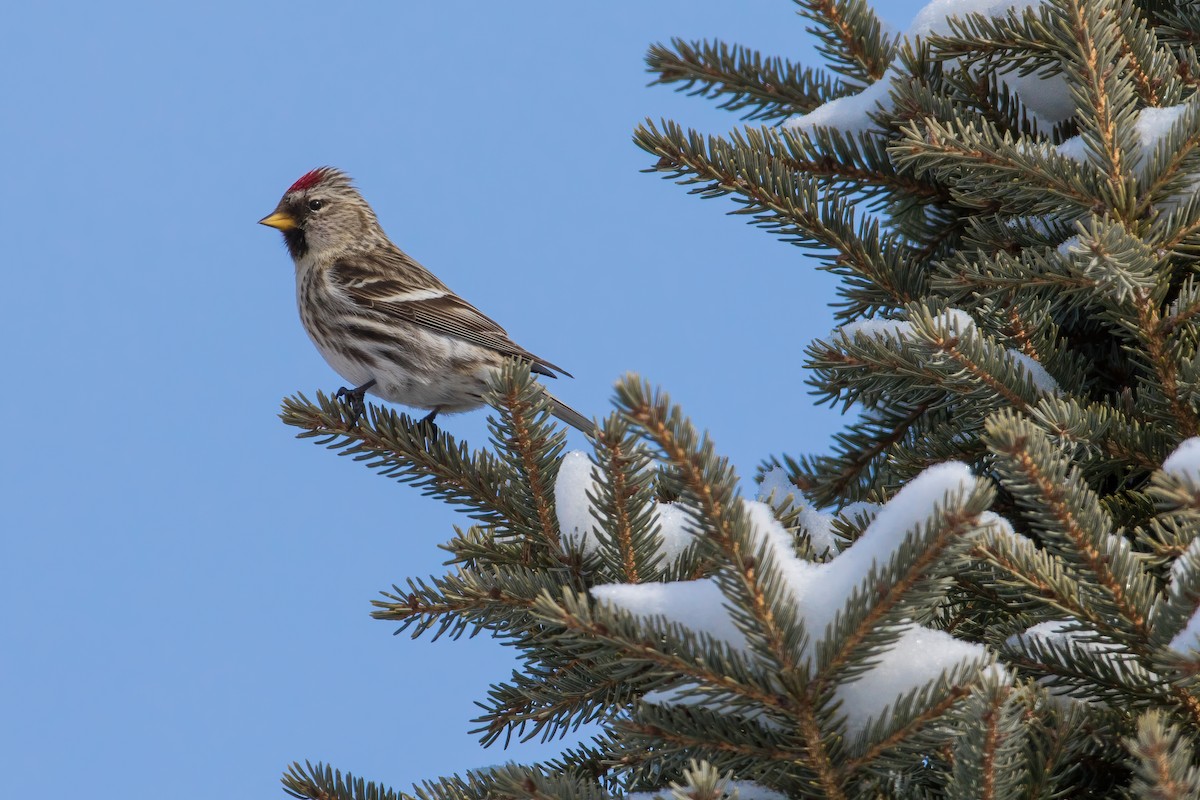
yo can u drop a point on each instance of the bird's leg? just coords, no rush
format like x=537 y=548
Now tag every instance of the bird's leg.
x=354 y=399
x=427 y=422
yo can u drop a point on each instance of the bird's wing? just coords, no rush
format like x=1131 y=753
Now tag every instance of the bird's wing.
x=427 y=302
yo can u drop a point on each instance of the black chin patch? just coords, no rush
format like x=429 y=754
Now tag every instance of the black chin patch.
x=297 y=245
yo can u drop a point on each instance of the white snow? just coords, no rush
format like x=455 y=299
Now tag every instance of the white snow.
x=578 y=520
x=1036 y=372
x=1187 y=641
x=1185 y=461
x=1188 y=560
x=997 y=523
x=849 y=113
x=879 y=328
x=695 y=604
x=1047 y=98
x=859 y=507
x=934 y=17
x=777 y=490
x=1080 y=640
x=1070 y=246
x=919 y=655
x=674 y=529
x=1074 y=149
x=951 y=319
x=742 y=790
x=819 y=528
x=1152 y=126
x=820 y=592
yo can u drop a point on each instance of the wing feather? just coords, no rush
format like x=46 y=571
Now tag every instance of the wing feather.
x=427 y=302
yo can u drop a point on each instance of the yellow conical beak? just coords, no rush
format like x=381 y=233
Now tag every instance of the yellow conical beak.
x=280 y=220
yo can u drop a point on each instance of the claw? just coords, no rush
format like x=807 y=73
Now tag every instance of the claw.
x=354 y=399
x=426 y=422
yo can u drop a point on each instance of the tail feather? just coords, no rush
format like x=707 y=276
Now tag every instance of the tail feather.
x=570 y=416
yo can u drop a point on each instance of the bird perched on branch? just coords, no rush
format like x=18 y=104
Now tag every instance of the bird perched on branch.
x=380 y=319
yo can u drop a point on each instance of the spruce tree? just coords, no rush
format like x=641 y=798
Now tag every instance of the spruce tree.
x=989 y=588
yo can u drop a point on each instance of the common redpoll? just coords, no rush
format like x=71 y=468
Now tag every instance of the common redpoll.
x=380 y=319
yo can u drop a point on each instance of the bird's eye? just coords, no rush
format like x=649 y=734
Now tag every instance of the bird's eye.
x=316 y=205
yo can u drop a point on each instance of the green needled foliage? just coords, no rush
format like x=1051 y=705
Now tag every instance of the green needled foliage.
x=1011 y=203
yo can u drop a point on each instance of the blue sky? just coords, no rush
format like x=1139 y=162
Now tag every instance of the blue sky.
x=187 y=593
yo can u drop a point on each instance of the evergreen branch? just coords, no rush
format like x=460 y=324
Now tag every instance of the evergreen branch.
x=322 y=782
x=914 y=578
x=1039 y=42
x=1055 y=749
x=1164 y=760
x=1103 y=88
x=693 y=732
x=483 y=545
x=1177 y=228
x=513 y=782
x=1174 y=532
x=936 y=356
x=829 y=479
x=558 y=701
x=987 y=761
x=760 y=606
x=994 y=102
x=886 y=737
x=708 y=482
x=1044 y=574
x=675 y=654
x=1100 y=436
x=1131 y=286
x=465 y=599
x=770 y=88
x=851 y=36
x=403 y=450
x=1152 y=66
x=1108 y=674
x=1181 y=313
x=1179 y=23
x=849 y=163
x=932 y=243
x=963 y=89
x=790 y=205
x=1022 y=37
x=1035 y=271
x=820 y=748
x=531 y=445
x=1159 y=354
x=942 y=440
x=1189 y=66
x=1067 y=515
x=624 y=501
x=1004 y=174
x=1022 y=334
x=702 y=781
x=591 y=761
x=970 y=364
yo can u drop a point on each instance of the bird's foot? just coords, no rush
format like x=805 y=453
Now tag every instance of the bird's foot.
x=354 y=399
x=427 y=426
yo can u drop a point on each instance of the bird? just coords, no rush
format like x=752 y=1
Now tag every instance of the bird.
x=381 y=320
